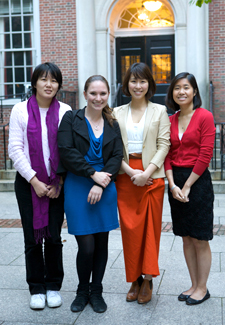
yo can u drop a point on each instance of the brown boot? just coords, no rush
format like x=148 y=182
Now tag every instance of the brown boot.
x=133 y=292
x=145 y=293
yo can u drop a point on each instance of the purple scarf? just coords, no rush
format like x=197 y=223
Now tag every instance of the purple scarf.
x=41 y=205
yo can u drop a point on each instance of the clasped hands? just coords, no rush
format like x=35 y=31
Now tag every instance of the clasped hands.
x=140 y=178
x=181 y=195
x=42 y=189
x=103 y=179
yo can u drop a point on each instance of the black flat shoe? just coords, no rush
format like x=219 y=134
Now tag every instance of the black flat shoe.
x=183 y=297
x=190 y=301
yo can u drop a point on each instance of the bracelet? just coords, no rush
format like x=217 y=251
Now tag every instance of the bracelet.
x=173 y=187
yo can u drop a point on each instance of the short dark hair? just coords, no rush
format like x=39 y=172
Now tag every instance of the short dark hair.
x=142 y=71
x=197 y=102
x=44 y=69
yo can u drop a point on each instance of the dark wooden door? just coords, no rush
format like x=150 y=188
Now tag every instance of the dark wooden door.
x=156 y=51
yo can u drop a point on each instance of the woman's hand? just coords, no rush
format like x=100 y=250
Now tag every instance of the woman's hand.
x=140 y=179
x=53 y=192
x=179 y=195
x=39 y=187
x=149 y=181
x=102 y=178
x=95 y=194
x=186 y=190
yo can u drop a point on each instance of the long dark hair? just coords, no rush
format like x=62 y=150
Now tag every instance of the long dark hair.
x=197 y=102
x=142 y=71
x=45 y=69
x=107 y=111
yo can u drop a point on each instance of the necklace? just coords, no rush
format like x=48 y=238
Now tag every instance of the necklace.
x=185 y=119
x=96 y=126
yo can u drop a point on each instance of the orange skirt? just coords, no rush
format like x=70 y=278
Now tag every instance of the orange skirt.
x=140 y=210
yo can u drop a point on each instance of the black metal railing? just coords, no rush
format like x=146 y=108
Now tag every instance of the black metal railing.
x=68 y=97
x=115 y=97
x=5 y=98
x=219 y=144
x=4 y=128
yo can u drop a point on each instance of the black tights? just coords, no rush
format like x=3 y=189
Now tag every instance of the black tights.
x=92 y=257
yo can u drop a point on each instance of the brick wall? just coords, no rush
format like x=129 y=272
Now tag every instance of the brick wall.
x=58 y=45
x=59 y=39
x=5 y=119
x=217 y=56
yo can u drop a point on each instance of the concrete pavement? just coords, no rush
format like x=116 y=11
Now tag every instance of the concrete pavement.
x=164 y=307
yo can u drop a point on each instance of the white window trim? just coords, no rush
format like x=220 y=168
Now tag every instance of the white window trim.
x=36 y=50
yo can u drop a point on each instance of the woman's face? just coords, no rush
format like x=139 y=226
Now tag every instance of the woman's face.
x=97 y=95
x=183 y=93
x=46 y=87
x=138 y=87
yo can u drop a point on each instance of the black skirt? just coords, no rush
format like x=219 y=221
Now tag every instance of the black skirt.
x=194 y=218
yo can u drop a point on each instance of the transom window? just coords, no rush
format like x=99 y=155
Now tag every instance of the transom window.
x=135 y=15
x=16 y=46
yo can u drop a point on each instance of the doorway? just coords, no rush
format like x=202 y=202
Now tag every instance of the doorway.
x=157 y=52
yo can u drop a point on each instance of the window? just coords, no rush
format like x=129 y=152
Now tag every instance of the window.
x=136 y=16
x=17 y=52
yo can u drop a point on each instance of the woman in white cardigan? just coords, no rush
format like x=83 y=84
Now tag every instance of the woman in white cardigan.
x=34 y=152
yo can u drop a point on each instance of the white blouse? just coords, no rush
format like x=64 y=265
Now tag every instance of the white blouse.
x=18 y=144
x=135 y=133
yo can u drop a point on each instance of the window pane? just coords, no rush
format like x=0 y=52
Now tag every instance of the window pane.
x=15 y=6
x=18 y=58
x=17 y=41
x=8 y=58
x=6 y=22
x=4 y=7
x=29 y=58
x=29 y=73
x=19 y=75
x=27 y=40
x=16 y=24
x=7 y=41
x=161 y=68
x=126 y=62
x=8 y=89
x=19 y=89
x=26 y=23
x=8 y=75
x=27 y=6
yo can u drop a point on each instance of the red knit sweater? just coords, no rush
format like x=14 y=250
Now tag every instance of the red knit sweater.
x=195 y=149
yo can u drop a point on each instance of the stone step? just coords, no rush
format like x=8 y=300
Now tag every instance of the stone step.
x=8 y=174
x=215 y=174
x=8 y=186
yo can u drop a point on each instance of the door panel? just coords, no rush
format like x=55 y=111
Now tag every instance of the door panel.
x=160 y=58
x=156 y=51
x=128 y=51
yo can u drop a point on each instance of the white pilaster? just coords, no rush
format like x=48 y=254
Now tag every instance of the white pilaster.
x=86 y=43
x=198 y=48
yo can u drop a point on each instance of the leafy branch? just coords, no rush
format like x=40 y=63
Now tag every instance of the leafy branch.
x=199 y=3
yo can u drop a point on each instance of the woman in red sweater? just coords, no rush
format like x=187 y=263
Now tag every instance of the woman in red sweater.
x=191 y=193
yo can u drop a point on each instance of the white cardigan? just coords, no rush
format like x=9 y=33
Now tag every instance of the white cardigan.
x=18 y=143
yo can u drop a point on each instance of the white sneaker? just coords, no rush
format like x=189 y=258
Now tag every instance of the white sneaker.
x=37 y=301
x=54 y=299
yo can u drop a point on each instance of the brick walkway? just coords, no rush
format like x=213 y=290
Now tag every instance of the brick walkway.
x=166 y=226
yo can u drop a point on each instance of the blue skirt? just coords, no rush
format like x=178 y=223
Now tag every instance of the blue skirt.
x=84 y=218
